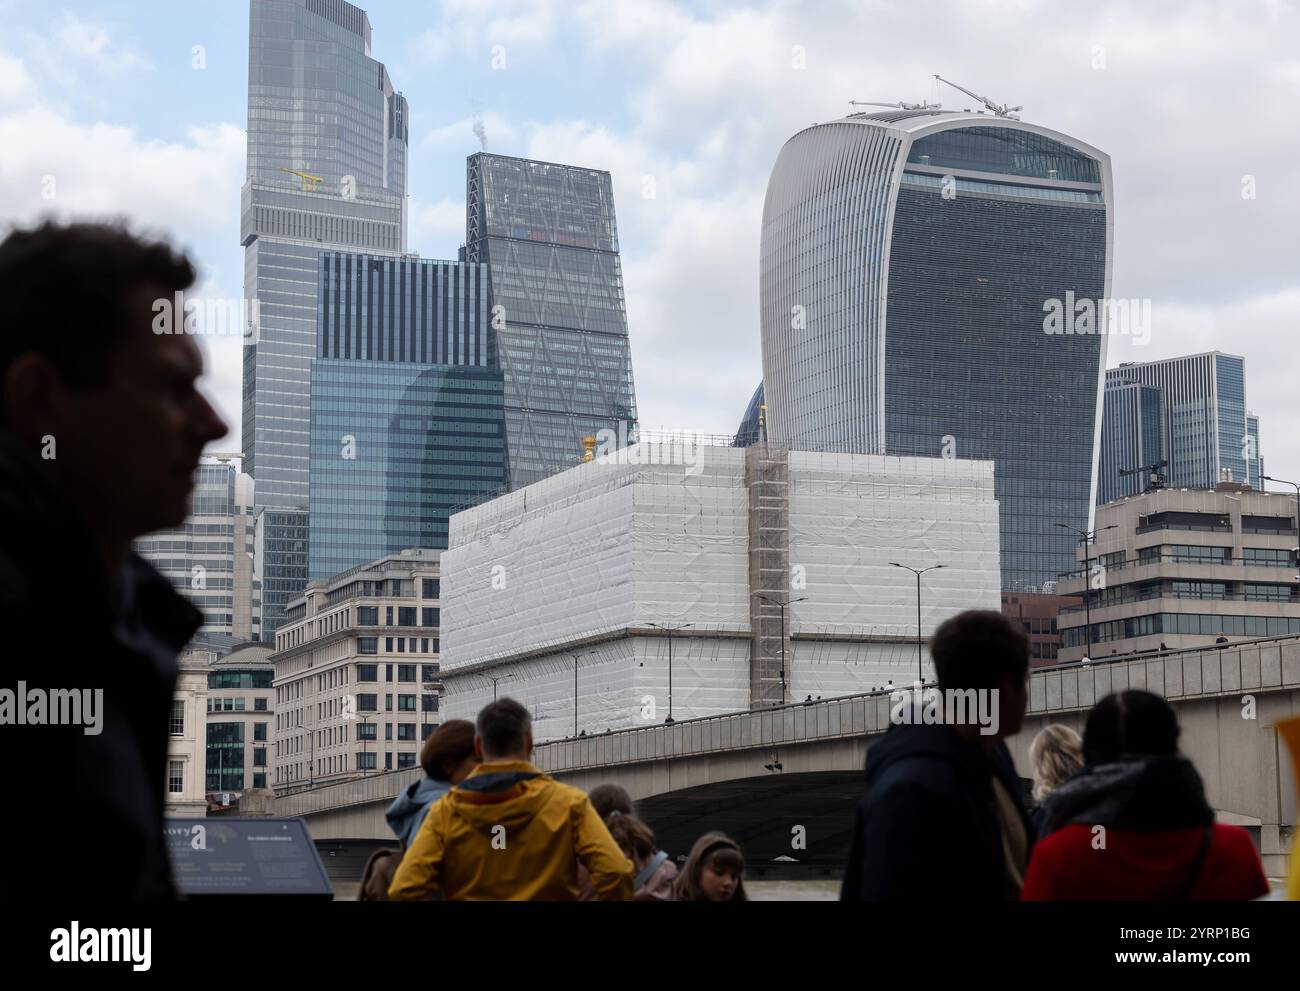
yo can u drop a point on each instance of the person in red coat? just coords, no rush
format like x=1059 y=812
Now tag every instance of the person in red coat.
x=1134 y=824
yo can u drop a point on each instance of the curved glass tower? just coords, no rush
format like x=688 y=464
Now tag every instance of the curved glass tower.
x=910 y=261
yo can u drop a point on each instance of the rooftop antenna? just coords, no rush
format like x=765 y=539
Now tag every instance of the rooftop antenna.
x=897 y=106
x=1155 y=478
x=1001 y=110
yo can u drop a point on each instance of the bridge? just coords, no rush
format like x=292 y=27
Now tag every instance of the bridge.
x=767 y=777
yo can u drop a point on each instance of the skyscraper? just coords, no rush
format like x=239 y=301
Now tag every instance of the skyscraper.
x=210 y=557
x=327 y=142
x=1201 y=403
x=908 y=260
x=548 y=236
x=1132 y=437
x=407 y=417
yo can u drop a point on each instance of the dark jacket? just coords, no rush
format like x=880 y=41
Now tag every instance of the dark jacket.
x=1134 y=830
x=928 y=825
x=68 y=624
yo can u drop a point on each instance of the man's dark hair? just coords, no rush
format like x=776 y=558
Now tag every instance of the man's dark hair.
x=1130 y=724
x=609 y=798
x=65 y=292
x=979 y=649
x=502 y=726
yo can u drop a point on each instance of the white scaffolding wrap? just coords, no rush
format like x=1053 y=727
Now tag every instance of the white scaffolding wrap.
x=586 y=563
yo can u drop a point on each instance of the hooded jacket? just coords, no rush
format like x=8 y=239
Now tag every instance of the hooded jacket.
x=119 y=634
x=1153 y=818
x=407 y=810
x=928 y=822
x=509 y=832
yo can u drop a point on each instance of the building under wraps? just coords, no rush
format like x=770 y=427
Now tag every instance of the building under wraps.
x=561 y=594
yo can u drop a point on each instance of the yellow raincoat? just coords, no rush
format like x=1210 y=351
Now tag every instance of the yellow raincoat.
x=511 y=832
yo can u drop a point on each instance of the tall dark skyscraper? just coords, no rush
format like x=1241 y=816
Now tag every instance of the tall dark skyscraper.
x=327 y=143
x=908 y=262
x=1132 y=436
x=548 y=236
x=407 y=416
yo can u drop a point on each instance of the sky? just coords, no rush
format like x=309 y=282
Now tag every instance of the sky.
x=137 y=108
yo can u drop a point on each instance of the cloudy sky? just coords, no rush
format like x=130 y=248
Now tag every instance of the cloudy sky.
x=102 y=110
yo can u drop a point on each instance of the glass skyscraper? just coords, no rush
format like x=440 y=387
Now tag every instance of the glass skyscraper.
x=908 y=261
x=327 y=147
x=1201 y=404
x=1132 y=437
x=407 y=413
x=548 y=236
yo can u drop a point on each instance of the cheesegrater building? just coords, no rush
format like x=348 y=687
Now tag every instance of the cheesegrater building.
x=908 y=262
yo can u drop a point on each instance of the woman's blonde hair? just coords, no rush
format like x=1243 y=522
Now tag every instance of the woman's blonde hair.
x=1056 y=754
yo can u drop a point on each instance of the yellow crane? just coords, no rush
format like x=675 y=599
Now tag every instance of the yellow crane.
x=309 y=182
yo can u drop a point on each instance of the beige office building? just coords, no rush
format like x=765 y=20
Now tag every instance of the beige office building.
x=187 y=734
x=1183 y=567
x=356 y=671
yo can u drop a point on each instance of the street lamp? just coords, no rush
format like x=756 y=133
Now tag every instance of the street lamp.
x=670 y=630
x=1296 y=485
x=920 y=675
x=782 y=605
x=1084 y=537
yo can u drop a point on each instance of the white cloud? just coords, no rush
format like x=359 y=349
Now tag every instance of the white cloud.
x=436 y=230
x=15 y=84
x=74 y=45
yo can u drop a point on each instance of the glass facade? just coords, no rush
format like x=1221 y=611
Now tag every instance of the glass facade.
x=1203 y=421
x=407 y=414
x=427 y=442
x=548 y=235
x=1132 y=435
x=906 y=316
x=225 y=757
x=327 y=148
x=749 y=431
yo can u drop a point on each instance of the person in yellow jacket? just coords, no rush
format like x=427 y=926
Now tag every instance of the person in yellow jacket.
x=510 y=832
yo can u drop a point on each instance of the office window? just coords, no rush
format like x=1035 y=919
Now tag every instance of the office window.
x=388 y=760
x=429 y=616
x=426 y=729
x=176 y=777
x=177 y=726
x=406 y=616
x=367 y=672
x=239 y=705
x=424 y=645
x=388 y=731
x=388 y=672
x=367 y=702
x=367 y=731
x=259 y=779
x=406 y=672
x=259 y=732
x=365 y=761
x=406 y=732
x=401 y=645
x=367 y=615
x=259 y=756
x=406 y=759
x=367 y=645
x=406 y=703
x=429 y=702
x=259 y=705
x=388 y=703
x=388 y=616
x=429 y=588
x=388 y=645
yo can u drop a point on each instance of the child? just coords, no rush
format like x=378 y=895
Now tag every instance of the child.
x=714 y=872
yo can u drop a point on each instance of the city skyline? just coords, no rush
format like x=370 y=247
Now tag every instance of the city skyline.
x=690 y=252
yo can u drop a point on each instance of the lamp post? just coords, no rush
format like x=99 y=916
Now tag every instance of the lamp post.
x=782 y=605
x=670 y=630
x=1296 y=485
x=920 y=676
x=1084 y=537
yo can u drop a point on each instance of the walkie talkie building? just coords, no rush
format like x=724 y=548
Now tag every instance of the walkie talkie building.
x=909 y=262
